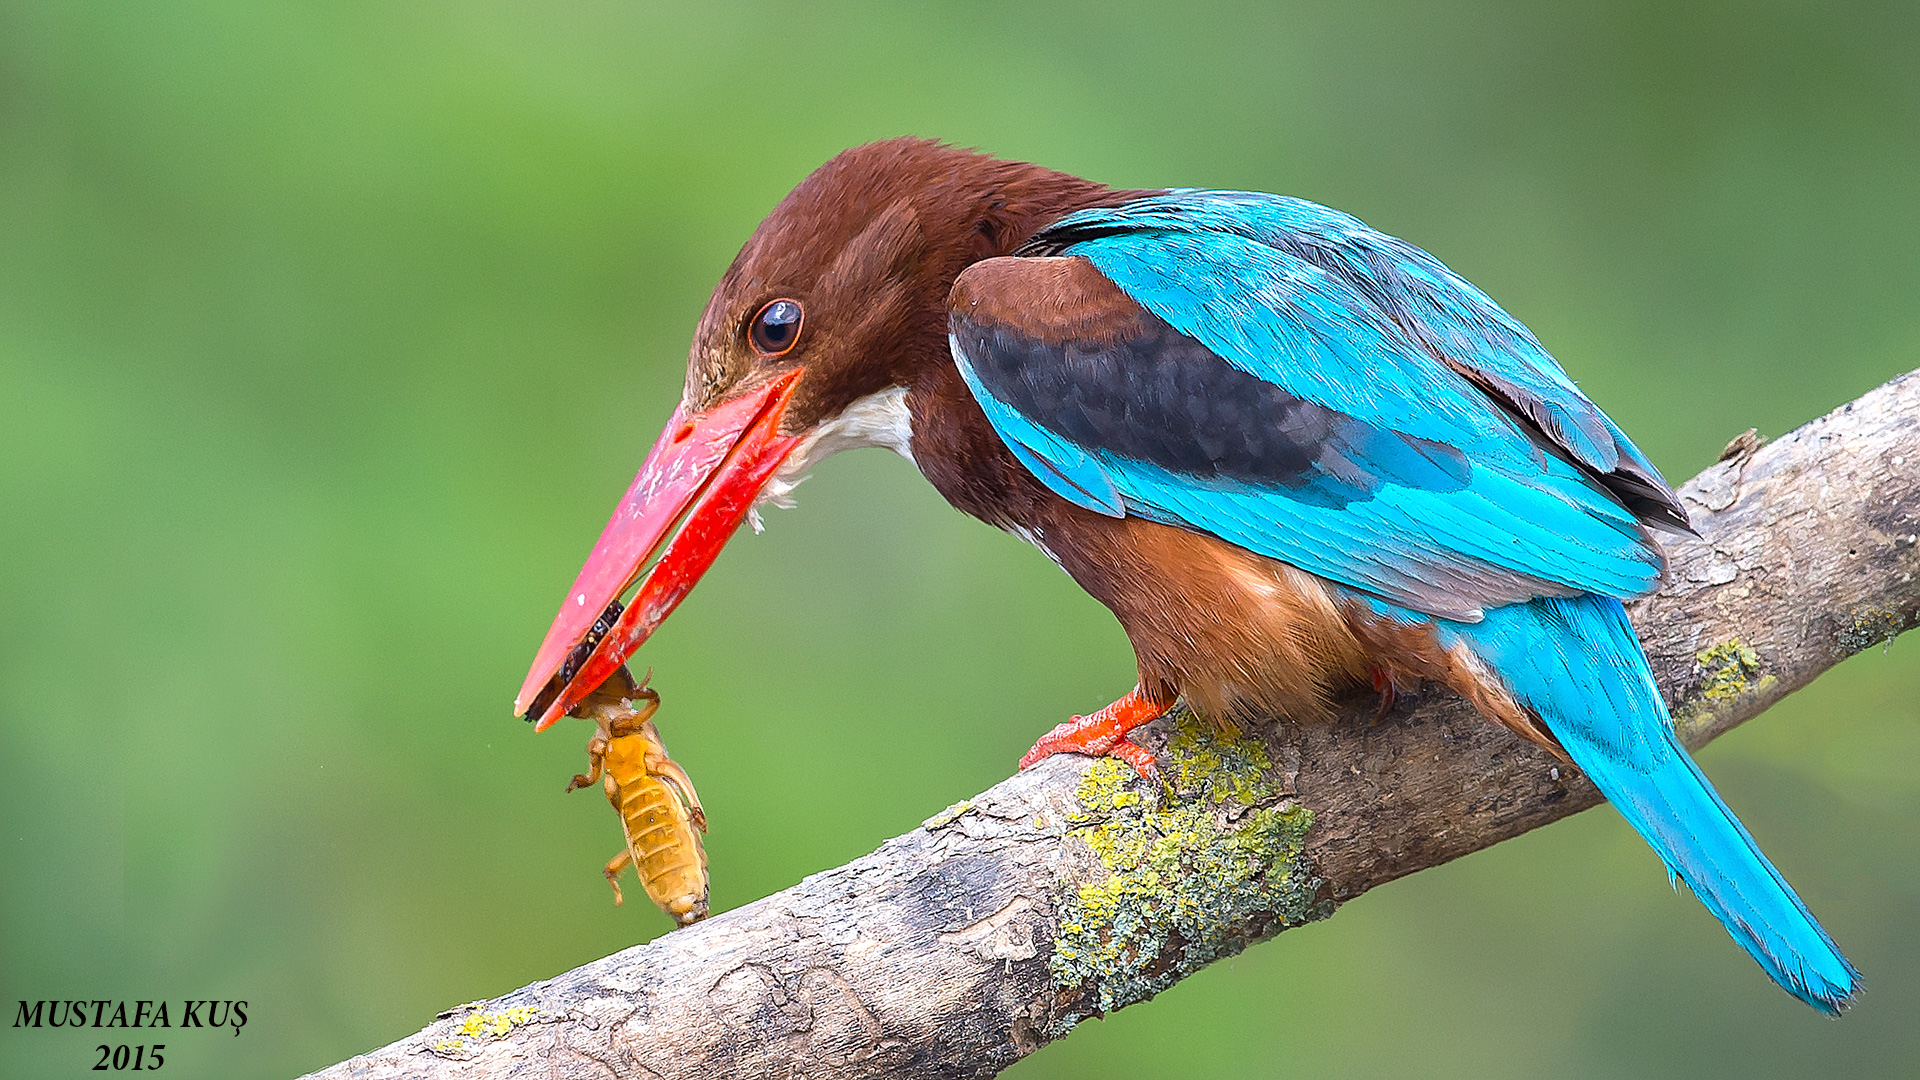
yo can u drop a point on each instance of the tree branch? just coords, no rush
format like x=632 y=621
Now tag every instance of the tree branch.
x=1073 y=889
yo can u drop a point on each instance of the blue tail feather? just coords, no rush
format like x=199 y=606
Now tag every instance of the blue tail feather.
x=1577 y=663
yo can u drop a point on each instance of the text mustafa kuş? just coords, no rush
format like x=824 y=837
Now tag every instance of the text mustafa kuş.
x=131 y=1014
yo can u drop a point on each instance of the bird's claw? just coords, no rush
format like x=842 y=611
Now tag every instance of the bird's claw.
x=1383 y=685
x=1103 y=733
x=1061 y=740
x=1140 y=758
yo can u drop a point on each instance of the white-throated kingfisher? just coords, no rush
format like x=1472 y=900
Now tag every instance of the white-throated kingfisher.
x=1290 y=453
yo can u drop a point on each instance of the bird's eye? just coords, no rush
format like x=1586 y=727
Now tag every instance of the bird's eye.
x=776 y=327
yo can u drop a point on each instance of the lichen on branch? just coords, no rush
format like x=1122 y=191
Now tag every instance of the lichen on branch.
x=1193 y=871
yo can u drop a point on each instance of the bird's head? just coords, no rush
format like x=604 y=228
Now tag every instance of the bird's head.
x=834 y=309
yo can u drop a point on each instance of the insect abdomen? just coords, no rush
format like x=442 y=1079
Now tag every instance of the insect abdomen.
x=667 y=853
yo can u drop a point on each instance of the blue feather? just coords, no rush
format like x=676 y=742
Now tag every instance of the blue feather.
x=1576 y=663
x=1439 y=306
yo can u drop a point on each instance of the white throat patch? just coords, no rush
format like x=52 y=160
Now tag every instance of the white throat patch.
x=879 y=419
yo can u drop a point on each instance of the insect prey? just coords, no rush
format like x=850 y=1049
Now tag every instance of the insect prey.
x=660 y=815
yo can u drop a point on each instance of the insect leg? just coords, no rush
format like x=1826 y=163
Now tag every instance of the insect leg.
x=675 y=777
x=596 y=760
x=624 y=721
x=614 y=866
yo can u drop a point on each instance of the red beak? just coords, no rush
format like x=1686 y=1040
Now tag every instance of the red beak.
x=708 y=468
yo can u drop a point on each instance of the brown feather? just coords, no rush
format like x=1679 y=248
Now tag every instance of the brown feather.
x=1238 y=635
x=869 y=245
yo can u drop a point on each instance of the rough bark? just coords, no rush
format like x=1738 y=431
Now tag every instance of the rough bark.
x=1074 y=889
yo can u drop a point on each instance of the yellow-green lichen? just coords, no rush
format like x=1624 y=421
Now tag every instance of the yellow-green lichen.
x=1867 y=627
x=493 y=1025
x=1197 y=873
x=948 y=816
x=482 y=1025
x=1729 y=671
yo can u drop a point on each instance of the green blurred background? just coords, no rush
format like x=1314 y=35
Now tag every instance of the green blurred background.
x=329 y=335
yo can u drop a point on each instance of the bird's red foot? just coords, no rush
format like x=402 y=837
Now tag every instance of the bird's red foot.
x=1102 y=733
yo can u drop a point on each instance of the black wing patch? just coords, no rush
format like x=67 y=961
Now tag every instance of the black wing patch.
x=1159 y=396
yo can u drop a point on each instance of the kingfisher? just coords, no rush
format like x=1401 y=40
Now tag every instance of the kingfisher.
x=1291 y=454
